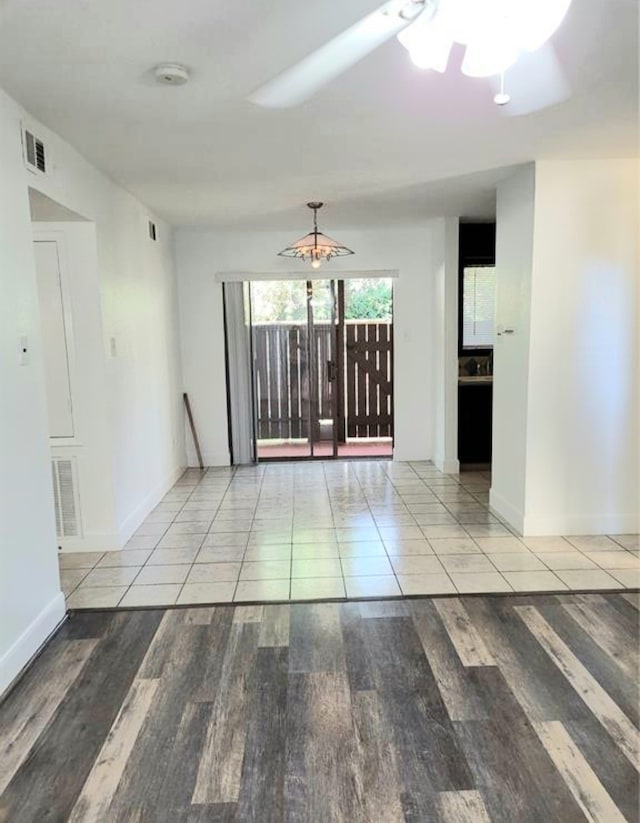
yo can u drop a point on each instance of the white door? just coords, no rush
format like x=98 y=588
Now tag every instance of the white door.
x=54 y=338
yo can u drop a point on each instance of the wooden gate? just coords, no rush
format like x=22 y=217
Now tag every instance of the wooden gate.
x=282 y=378
x=369 y=378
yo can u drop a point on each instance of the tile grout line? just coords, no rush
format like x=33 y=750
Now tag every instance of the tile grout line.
x=372 y=489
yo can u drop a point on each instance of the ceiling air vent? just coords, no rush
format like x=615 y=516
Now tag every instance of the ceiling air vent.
x=35 y=156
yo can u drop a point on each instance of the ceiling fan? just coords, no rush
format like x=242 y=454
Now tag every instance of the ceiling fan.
x=501 y=37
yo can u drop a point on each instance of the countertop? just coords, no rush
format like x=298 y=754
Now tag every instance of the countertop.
x=475 y=379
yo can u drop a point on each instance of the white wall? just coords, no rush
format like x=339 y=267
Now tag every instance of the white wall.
x=31 y=603
x=514 y=255
x=138 y=298
x=143 y=383
x=200 y=253
x=583 y=444
x=566 y=445
x=444 y=265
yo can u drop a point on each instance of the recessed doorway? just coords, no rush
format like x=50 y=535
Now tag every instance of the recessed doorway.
x=322 y=368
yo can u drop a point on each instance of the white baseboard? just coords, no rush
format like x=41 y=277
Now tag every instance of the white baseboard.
x=136 y=517
x=447 y=465
x=560 y=523
x=401 y=457
x=506 y=511
x=209 y=459
x=96 y=542
x=14 y=660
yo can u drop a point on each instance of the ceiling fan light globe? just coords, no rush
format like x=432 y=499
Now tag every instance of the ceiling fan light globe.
x=488 y=59
x=428 y=43
x=539 y=21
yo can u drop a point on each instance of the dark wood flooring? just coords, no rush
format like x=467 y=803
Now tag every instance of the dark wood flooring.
x=451 y=710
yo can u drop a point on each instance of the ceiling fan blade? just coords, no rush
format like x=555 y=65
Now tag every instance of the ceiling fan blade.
x=536 y=81
x=302 y=81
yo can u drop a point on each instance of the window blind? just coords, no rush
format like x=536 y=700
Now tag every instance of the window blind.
x=478 y=307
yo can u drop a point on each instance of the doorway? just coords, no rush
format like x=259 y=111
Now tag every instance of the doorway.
x=322 y=368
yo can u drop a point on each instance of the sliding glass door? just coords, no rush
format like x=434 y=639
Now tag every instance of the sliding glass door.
x=322 y=368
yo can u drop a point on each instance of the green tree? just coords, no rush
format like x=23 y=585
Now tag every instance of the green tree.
x=368 y=299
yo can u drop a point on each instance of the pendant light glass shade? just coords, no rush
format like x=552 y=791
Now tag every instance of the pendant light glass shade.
x=315 y=246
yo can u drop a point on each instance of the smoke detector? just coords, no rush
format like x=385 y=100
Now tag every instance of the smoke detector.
x=171 y=74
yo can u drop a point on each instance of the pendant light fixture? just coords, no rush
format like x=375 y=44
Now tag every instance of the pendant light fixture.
x=315 y=246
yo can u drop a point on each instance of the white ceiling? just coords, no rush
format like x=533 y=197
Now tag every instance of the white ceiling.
x=384 y=142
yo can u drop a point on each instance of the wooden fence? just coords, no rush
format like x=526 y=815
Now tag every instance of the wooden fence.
x=284 y=375
x=369 y=365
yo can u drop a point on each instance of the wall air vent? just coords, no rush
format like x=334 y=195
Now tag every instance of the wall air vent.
x=65 y=496
x=35 y=155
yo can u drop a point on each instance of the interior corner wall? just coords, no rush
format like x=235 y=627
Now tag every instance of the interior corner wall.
x=583 y=448
x=201 y=252
x=140 y=345
x=444 y=266
x=31 y=603
x=514 y=262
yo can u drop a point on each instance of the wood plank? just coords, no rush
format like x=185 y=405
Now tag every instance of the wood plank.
x=285 y=386
x=166 y=798
x=201 y=616
x=366 y=736
x=162 y=766
x=596 y=698
x=463 y=807
x=211 y=650
x=274 y=627
x=390 y=373
x=619 y=777
x=57 y=767
x=459 y=692
x=633 y=598
x=351 y=400
x=355 y=648
x=93 y=804
x=362 y=374
x=263 y=768
x=620 y=688
x=321 y=781
x=248 y=614
x=540 y=688
x=510 y=766
x=376 y=760
x=208 y=813
x=272 y=371
x=262 y=381
x=608 y=637
x=160 y=650
x=218 y=779
x=294 y=355
x=428 y=755
x=590 y=794
x=29 y=707
x=468 y=643
x=315 y=638
x=81 y=625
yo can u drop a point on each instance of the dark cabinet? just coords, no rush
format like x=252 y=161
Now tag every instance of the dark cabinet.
x=475 y=405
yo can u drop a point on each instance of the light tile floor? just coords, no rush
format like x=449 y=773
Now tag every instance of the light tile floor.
x=304 y=531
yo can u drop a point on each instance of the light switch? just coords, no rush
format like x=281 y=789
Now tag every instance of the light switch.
x=23 y=351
